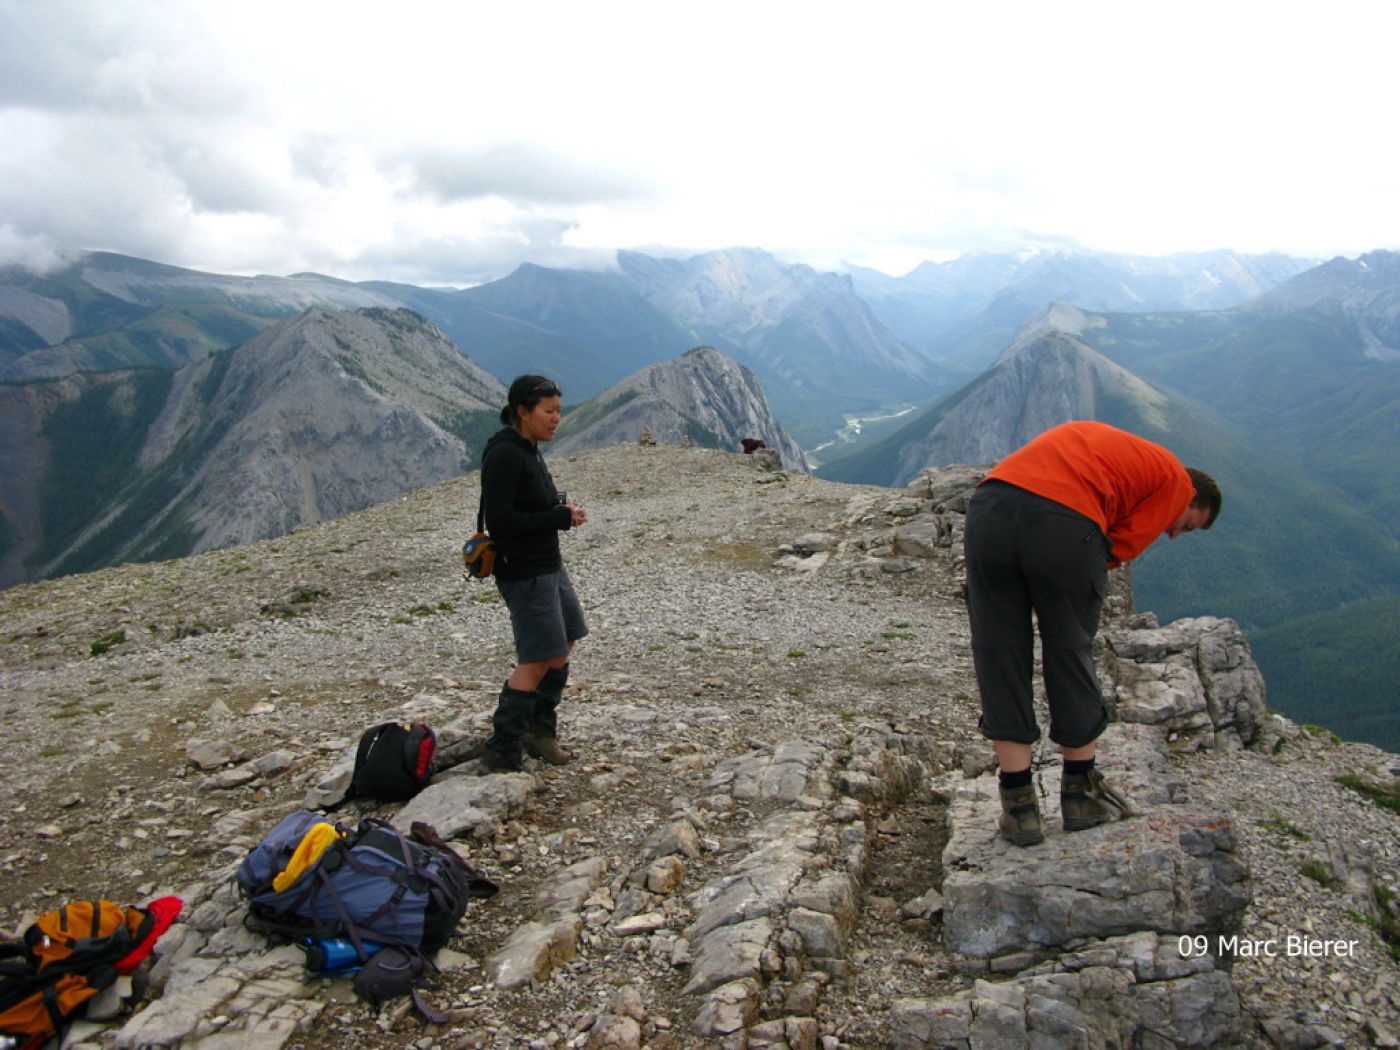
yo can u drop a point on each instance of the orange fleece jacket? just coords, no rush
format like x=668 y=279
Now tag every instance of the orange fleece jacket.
x=1132 y=488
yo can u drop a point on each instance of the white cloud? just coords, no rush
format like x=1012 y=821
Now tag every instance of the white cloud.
x=442 y=140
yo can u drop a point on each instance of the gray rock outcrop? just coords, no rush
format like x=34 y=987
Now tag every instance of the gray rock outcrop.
x=1194 y=677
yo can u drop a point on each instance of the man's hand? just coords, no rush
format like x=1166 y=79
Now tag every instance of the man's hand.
x=577 y=515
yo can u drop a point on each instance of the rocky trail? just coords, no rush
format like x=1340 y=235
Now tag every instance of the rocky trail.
x=776 y=832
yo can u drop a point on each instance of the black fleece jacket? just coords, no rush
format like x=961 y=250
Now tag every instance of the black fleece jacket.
x=521 y=507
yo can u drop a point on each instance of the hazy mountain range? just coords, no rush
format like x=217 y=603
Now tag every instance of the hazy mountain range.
x=824 y=345
x=963 y=312
x=1277 y=375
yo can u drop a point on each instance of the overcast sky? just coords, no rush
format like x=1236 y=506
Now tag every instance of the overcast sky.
x=445 y=143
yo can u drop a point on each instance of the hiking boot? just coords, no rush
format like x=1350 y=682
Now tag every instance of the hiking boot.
x=494 y=761
x=1020 y=821
x=542 y=738
x=1087 y=800
x=515 y=710
x=546 y=749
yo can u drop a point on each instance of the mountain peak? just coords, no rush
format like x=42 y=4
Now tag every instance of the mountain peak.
x=702 y=398
x=1366 y=288
x=321 y=413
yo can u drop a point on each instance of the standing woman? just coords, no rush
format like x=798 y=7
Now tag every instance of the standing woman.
x=524 y=514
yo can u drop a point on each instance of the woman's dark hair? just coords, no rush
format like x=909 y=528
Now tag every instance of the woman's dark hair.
x=528 y=391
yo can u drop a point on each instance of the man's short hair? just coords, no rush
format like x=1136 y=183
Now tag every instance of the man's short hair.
x=1207 y=495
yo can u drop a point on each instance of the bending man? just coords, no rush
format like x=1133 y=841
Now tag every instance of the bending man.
x=1043 y=529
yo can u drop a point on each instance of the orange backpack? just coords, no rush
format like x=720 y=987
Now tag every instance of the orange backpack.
x=69 y=955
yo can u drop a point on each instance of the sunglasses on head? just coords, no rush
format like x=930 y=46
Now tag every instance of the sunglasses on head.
x=545 y=389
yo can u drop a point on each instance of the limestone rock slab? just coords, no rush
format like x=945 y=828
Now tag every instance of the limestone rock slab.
x=1196 y=676
x=1118 y=992
x=1173 y=868
x=461 y=805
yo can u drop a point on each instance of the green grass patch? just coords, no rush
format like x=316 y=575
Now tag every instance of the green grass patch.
x=1321 y=731
x=1318 y=871
x=1387 y=925
x=107 y=642
x=1386 y=798
x=1285 y=827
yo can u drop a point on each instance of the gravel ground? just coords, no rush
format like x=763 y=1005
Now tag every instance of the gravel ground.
x=701 y=650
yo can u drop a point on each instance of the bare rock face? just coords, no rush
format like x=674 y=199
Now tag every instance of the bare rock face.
x=550 y=938
x=319 y=415
x=1093 y=922
x=790 y=901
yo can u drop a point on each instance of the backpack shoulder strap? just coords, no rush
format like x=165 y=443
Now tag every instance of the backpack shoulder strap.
x=430 y=1013
x=367 y=741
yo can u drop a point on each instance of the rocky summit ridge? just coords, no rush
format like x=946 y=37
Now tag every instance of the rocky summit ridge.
x=777 y=832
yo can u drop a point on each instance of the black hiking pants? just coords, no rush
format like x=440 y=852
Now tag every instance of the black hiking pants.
x=1026 y=553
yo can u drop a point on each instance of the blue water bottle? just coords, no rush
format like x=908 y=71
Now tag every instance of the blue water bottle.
x=335 y=954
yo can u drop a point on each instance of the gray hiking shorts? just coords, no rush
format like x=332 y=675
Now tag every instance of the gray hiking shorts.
x=545 y=615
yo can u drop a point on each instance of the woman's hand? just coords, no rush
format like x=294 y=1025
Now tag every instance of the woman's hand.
x=577 y=515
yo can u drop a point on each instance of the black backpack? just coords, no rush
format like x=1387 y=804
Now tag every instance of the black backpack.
x=394 y=761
